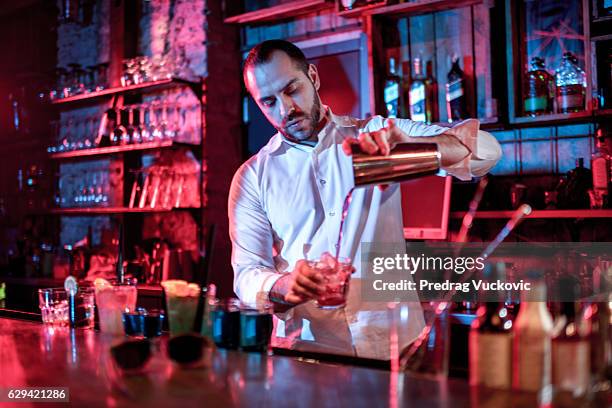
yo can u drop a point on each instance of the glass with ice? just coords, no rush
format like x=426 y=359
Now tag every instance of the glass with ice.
x=112 y=299
x=182 y=304
x=53 y=304
x=336 y=275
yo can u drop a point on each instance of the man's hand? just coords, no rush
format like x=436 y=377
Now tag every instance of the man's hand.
x=299 y=286
x=382 y=141
x=377 y=142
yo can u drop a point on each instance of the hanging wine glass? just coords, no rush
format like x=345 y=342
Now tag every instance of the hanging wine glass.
x=80 y=133
x=143 y=120
x=90 y=130
x=133 y=126
x=163 y=125
x=105 y=187
x=91 y=78
x=102 y=76
x=175 y=122
x=93 y=186
x=120 y=134
x=154 y=129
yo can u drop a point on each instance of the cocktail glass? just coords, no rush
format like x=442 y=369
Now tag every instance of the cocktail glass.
x=53 y=303
x=182 y=305
x=336 y=274
x=112 y=299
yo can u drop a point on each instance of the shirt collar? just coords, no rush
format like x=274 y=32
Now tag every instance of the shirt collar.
x=333 y=122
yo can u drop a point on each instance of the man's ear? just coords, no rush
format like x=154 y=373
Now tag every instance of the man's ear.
x=313 y=74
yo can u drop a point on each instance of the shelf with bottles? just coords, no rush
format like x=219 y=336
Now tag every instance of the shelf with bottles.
x=263 y=11
x=421 y=75
x=549 y=67
x=401 y=8
x=141 y=87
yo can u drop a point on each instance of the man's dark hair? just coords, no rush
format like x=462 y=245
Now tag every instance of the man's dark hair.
x=262 y=52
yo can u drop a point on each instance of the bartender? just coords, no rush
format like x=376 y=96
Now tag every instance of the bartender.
x=285 y=204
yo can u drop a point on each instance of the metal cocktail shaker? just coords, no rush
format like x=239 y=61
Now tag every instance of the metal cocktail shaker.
x=405 y=162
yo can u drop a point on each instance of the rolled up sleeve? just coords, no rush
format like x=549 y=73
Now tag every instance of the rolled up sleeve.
x=485 y=150
x=252 y=238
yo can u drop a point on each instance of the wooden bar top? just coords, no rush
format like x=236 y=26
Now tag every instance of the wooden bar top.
x=34 y=355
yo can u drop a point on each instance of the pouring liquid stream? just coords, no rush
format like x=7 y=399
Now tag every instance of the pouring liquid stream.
x=345 y=208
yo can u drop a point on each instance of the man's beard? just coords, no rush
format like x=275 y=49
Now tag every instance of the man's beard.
x=313 y=117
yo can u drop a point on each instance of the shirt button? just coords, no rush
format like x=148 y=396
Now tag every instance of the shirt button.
x=322 y=181
x=331 y=213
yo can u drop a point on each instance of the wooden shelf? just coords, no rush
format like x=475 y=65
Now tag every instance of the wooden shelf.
x=602 y=19
x=361 y=11
x=405 y=9
x=113 y=210
x=538 y=214
x=603 y=112
x=144 y=87
x=282 y=11
x=552 y=118
x=100 y=151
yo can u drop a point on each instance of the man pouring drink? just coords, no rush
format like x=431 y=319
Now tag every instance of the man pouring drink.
x=287 y=204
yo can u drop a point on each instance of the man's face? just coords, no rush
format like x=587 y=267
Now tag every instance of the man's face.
x=286 y=96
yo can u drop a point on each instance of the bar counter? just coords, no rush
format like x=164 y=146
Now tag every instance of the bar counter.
x=33 y=355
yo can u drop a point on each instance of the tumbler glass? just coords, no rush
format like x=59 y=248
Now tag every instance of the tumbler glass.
x=182 y=305
x=112 y=298
x=336 y=274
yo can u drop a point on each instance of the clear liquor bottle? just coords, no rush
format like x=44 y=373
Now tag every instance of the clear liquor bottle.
x=570 y=80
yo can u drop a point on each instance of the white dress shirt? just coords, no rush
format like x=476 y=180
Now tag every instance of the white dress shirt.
x=285 y=204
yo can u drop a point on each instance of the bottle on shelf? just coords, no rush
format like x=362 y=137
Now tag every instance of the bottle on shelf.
x=490 y=342
x=392 y=91
x=570 y=80
x=418 y=93
x=573 y=190
x=600 y=167
x=455 y=92
x=570 y=346
x=532 y=341
x=405 y=99
x=538 y=89
x=431 y=95
x=599 y=325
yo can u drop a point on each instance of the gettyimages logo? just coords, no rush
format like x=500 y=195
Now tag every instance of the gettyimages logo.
x=434 y=271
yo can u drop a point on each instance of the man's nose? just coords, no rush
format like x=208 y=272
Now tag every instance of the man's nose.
x=286 y=106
